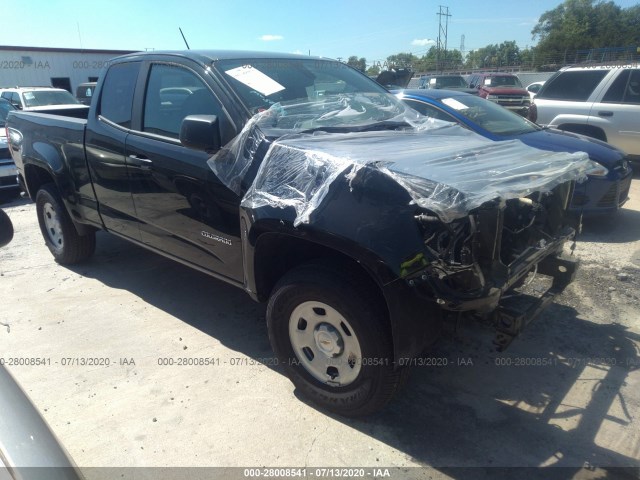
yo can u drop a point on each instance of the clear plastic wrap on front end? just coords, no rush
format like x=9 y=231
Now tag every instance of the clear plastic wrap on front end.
x=443 y=167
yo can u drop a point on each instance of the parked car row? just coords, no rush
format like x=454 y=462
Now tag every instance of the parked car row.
x=504 y=89
x=577 y=109
x=608 y=185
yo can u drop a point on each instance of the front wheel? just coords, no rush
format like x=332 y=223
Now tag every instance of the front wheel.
x=330 y=332
x=60 y=235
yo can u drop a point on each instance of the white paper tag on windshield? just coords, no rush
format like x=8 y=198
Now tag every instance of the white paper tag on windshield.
x=255 y=79
x=453 y=103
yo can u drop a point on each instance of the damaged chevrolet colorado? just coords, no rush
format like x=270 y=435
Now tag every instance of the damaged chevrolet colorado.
x=364 y=225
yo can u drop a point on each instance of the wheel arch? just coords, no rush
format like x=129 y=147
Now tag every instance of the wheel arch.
x=36 y=176
x=276 y=253
x=413 y=323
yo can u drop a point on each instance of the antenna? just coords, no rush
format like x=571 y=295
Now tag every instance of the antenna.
x=185 y=40
x=79 y=36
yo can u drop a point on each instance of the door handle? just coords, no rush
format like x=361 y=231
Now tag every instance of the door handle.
x=605 y=113
x=138 y=161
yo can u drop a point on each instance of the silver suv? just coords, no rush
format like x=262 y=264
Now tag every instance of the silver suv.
x=599 y=101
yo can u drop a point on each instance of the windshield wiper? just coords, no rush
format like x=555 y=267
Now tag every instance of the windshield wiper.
x=372 y=127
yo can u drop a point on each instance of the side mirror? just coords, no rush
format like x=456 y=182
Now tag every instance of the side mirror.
x=6 y=229
x=201 y=132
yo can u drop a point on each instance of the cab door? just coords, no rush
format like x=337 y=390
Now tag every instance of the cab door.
x=105 y=140
x=183 y=208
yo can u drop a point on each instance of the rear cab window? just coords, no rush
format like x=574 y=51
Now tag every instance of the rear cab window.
x=116 y=98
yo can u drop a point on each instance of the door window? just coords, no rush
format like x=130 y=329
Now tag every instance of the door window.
x=13 y=98
x=625 y=88
x=172 y=94
x=615 y=94
x=632 y=94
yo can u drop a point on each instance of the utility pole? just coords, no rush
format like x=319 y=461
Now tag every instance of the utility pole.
x=442 y=32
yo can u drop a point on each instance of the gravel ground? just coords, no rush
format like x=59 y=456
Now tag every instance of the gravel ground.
x=565 y=394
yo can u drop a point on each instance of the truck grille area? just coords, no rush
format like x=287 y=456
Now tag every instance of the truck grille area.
x=510 y=100
x=476 y=259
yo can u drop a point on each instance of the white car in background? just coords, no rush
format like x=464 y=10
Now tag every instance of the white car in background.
x=601 y=101
x=39 y=98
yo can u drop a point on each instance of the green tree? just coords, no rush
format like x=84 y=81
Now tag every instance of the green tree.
x=582 y=25
x=401 y=60
x=494 y=55
x=449 y=61
x=357 y=63
x=373 y=70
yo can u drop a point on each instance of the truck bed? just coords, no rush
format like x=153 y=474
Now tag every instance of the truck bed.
x=55 y=142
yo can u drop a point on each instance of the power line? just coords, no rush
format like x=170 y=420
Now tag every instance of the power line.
x=442 y=32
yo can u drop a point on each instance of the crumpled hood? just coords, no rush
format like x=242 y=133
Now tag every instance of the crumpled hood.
x=443 y=167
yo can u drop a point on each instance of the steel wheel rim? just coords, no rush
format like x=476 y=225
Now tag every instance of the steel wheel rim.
x=325 y=344
x=53 y=226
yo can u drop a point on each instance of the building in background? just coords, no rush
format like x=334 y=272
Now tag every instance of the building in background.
x=57 y=67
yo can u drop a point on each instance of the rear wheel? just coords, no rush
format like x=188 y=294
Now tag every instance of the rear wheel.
x=60 y=235
x=330 y=332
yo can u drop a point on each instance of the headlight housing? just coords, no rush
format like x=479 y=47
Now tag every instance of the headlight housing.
x=597 y=171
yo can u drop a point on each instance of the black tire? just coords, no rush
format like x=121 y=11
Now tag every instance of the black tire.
x=6 y=229
x=58 y=231
x=360 y=305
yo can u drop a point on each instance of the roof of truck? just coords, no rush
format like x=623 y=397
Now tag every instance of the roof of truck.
x=207 y=56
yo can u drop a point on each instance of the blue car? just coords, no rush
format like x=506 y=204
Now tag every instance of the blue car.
x=605 y=191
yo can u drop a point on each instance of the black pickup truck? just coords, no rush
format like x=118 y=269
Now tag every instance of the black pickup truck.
x=364 y=225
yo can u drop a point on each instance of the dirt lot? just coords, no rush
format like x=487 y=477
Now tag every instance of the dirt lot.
x=566 y=393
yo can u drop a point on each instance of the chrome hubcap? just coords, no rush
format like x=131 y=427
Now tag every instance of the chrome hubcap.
x=325 y=343
x=53 y=226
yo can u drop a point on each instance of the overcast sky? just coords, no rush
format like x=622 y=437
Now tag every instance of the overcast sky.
x=333 y=28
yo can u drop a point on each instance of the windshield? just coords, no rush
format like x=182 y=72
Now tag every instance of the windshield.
x=448 y=82
x=490 y=116
x=40 y=98
x=5 y=108
x=502 y=81
x=310 y=93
